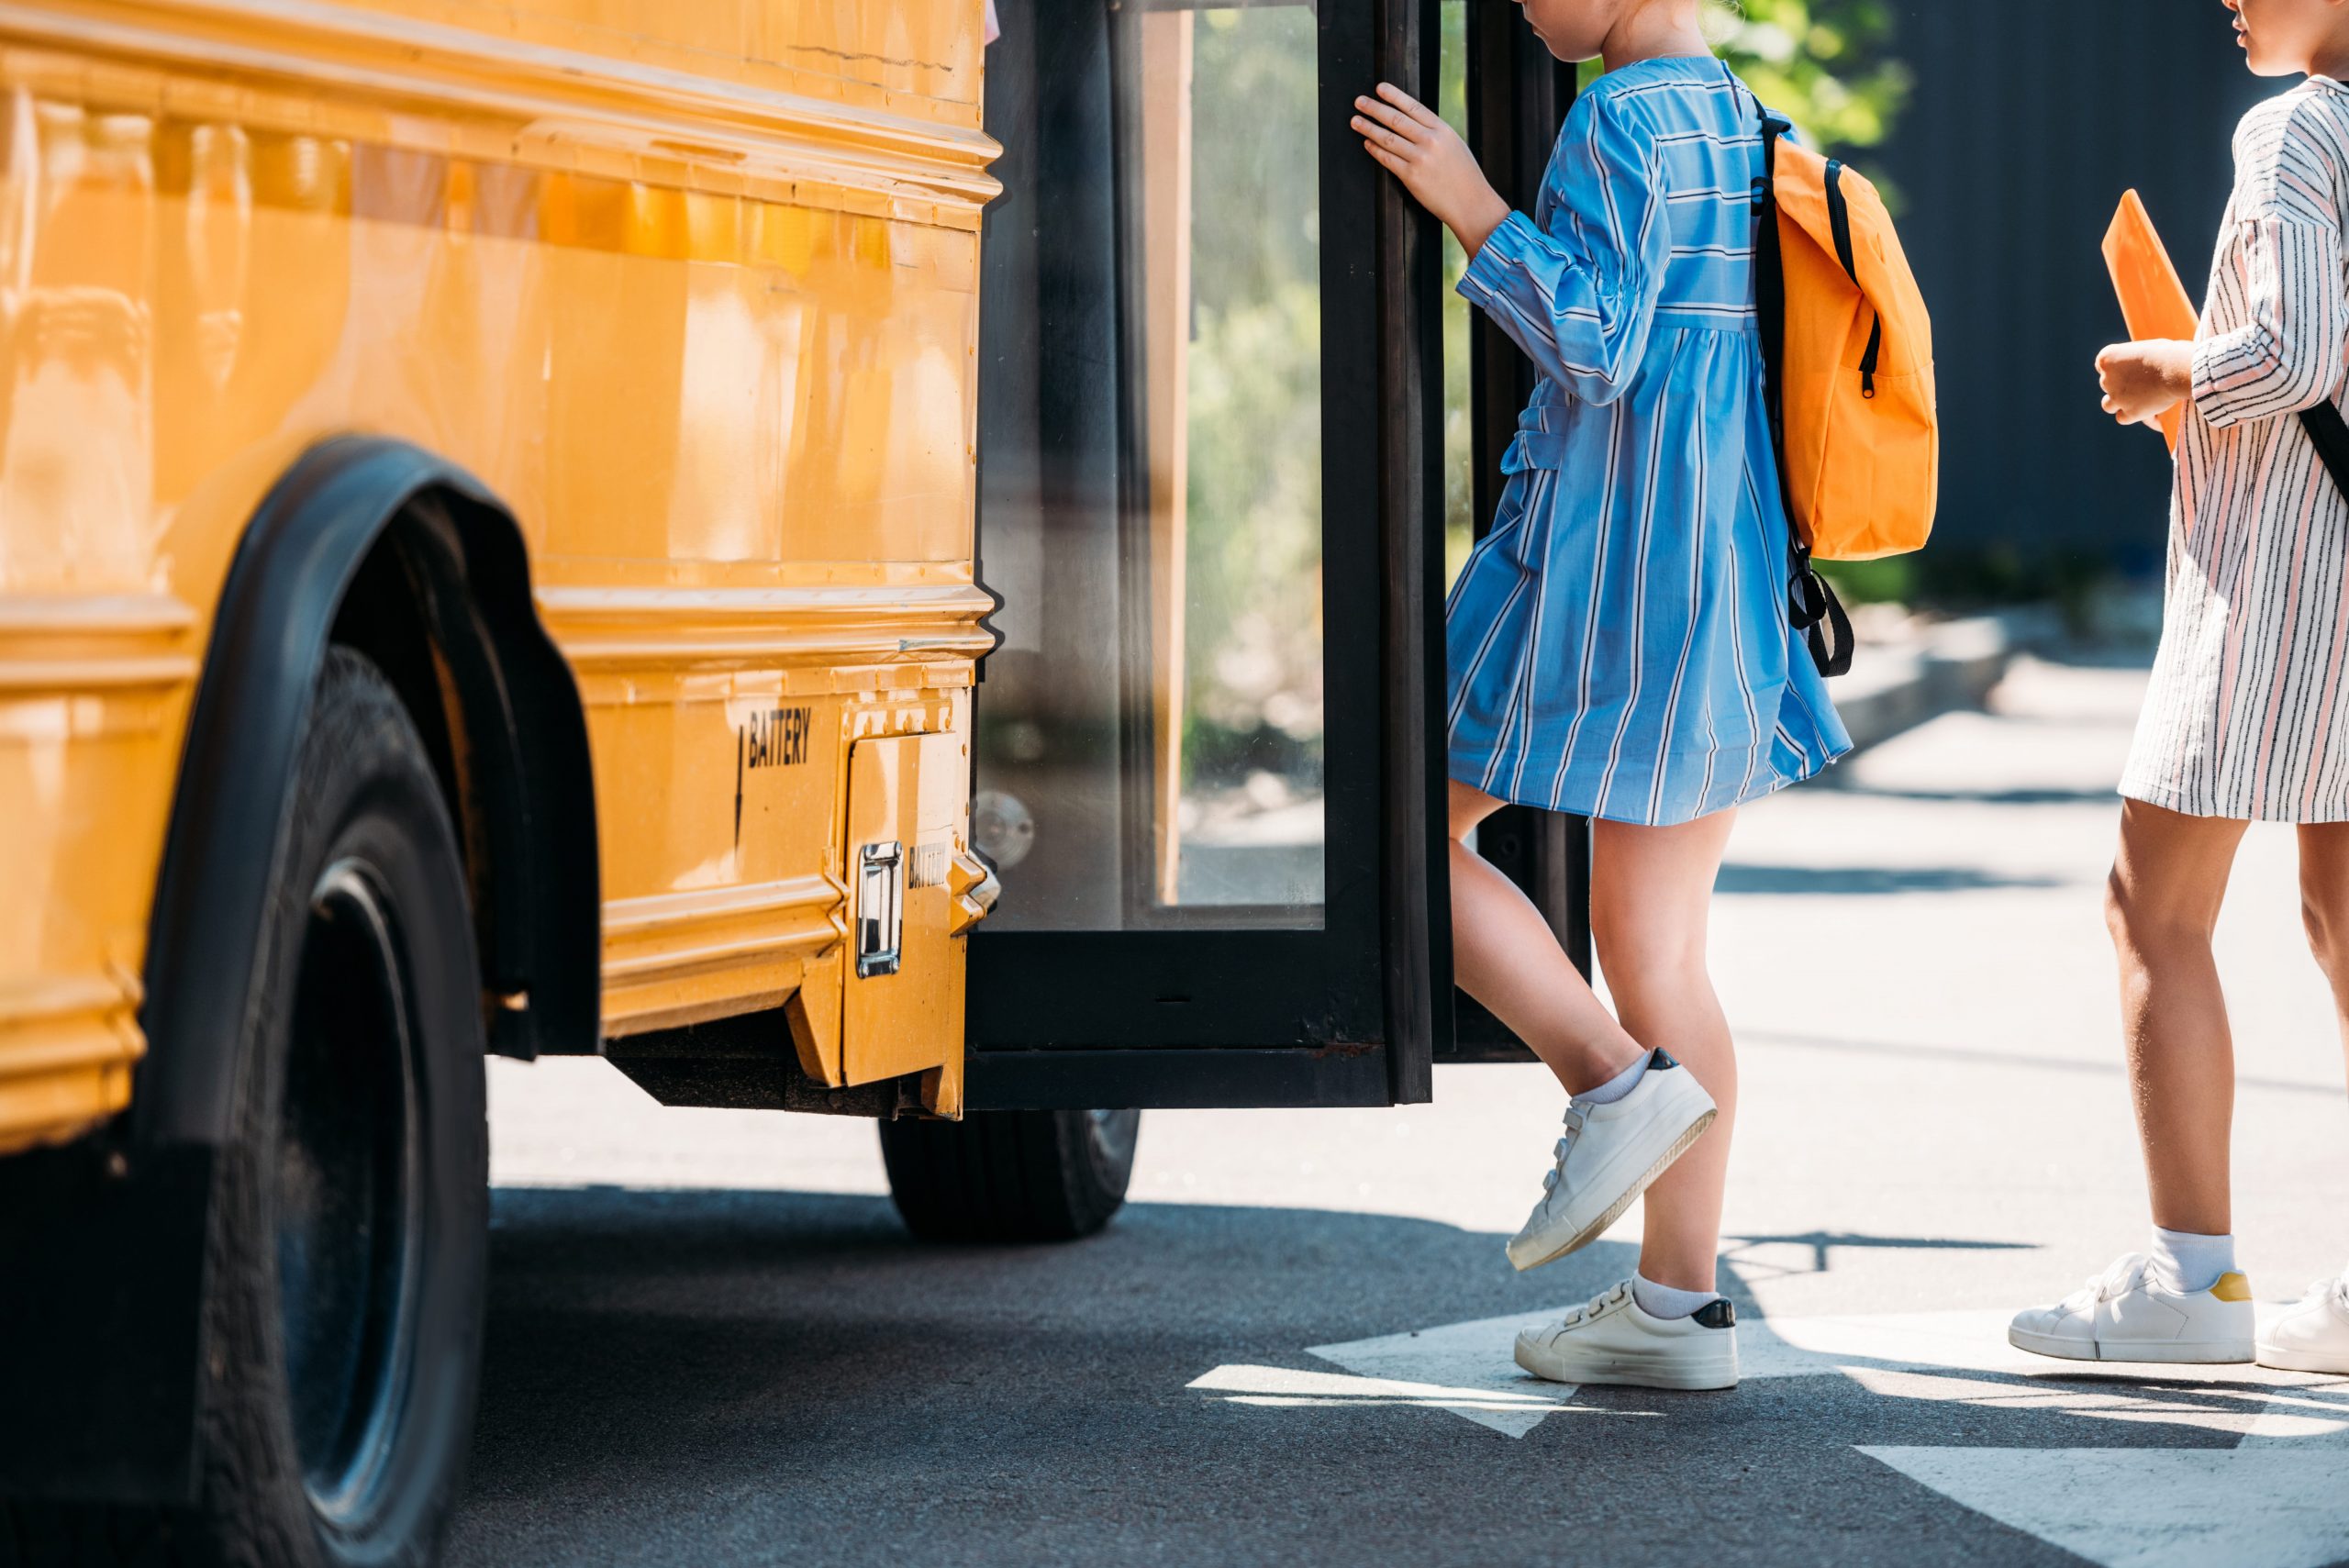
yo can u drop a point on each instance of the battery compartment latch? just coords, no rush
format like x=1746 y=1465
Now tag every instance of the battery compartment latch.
x=879 y=907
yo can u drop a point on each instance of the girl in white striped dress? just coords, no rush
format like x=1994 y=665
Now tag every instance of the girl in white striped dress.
x=2248 y=716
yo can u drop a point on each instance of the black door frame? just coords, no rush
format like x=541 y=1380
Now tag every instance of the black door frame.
x=1518 y=98
x=1351 y=1014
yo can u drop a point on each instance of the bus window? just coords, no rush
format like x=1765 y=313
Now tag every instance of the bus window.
x=1149 y=736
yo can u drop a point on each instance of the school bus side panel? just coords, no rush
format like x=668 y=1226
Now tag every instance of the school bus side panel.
x=712 y=341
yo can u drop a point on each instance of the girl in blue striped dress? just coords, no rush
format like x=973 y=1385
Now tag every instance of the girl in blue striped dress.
x=1619 y=641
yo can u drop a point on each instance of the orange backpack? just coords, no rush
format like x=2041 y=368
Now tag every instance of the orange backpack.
x=1849 y=348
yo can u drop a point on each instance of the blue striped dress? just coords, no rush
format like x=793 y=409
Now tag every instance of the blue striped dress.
x=1618 y=642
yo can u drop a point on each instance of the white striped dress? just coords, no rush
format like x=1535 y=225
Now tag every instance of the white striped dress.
x=2248 y=714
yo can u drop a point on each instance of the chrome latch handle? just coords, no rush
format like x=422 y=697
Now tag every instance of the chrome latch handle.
x=880 y=908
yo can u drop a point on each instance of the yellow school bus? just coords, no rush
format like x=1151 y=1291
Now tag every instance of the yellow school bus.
x=841 y=566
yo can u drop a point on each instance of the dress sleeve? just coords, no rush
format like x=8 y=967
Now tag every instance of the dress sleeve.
x=2289 y=353
x=1580 y=298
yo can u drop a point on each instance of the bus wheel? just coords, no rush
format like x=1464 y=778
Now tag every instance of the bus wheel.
x=347 y=1258
x=349 y=1255
x=1010 y=1175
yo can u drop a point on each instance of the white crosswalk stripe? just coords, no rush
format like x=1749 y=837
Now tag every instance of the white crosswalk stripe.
x=2277 y=1498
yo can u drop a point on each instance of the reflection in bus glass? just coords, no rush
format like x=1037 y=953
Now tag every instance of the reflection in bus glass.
x=1150 y=733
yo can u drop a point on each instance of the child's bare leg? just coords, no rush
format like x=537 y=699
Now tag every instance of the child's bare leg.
x=2324 y=906
x=1652 y=891
x=2182 y=1300
x=1505 y=956
x=2162 y=904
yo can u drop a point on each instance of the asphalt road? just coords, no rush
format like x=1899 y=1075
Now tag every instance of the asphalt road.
x=711 y=1343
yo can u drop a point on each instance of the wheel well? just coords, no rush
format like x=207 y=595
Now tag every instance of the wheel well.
x=446 y=587
x=383 y=616
x=439 y=606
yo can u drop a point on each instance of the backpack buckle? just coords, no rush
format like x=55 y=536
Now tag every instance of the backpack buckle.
x=1806 y=597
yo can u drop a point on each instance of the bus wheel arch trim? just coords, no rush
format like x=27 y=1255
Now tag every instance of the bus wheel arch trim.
x=274 y=620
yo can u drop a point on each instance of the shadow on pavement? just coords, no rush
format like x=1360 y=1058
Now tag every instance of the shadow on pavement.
x=2100 y=795
x=2003 y=1061
x=1845 y=881
x=1822 y=1242
x=714 y=1377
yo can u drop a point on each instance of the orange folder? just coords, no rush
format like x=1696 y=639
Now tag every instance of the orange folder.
x=2152 y=300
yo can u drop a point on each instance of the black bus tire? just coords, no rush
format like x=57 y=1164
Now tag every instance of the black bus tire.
x=1010 y=1175
x=346 y=1261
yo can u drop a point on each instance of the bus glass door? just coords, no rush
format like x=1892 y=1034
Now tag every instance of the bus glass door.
x=1205 y=751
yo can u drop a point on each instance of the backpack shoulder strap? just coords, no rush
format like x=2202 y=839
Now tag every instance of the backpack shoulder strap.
x=1811 y=603
x=1770 y=283
x=1769 y=263
x=2330 y=432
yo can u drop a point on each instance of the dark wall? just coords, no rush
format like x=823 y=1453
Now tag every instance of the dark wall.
x=2030 y=118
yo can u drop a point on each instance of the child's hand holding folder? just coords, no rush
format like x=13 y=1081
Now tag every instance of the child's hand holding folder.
x=2147 y=381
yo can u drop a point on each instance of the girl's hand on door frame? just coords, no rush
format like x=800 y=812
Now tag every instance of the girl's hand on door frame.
x=1412 y=142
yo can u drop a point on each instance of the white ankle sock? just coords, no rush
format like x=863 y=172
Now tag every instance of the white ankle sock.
x=1665 y=1301
x=1618 y=1086
x=2189 y=1262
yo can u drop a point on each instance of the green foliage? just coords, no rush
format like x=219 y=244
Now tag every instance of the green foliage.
x=1963 y=579
x=1823 y=64
x=1253 y=636
x=1887 y=582
x=1255 y=193
x=1252 y=559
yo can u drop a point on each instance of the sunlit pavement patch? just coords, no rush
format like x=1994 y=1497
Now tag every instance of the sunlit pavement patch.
x=1479 y=1356
x=1473 y=1369
x=1952 y=1341
x=2139 y=1507
x=2279 y=1498
x=1515 y=1409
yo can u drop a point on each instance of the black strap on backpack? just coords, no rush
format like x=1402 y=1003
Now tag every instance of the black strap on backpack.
x=2331 y=433
x=1811 y=603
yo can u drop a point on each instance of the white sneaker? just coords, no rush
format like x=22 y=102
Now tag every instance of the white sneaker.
x=2313 y=1336
x=2129 y=1314
x=1612 y=1341
x=1608 y=1156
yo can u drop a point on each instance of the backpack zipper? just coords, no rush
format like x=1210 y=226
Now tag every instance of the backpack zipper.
x=1839 y=219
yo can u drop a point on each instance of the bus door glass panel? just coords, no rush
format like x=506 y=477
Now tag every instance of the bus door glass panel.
x=1150 y=733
